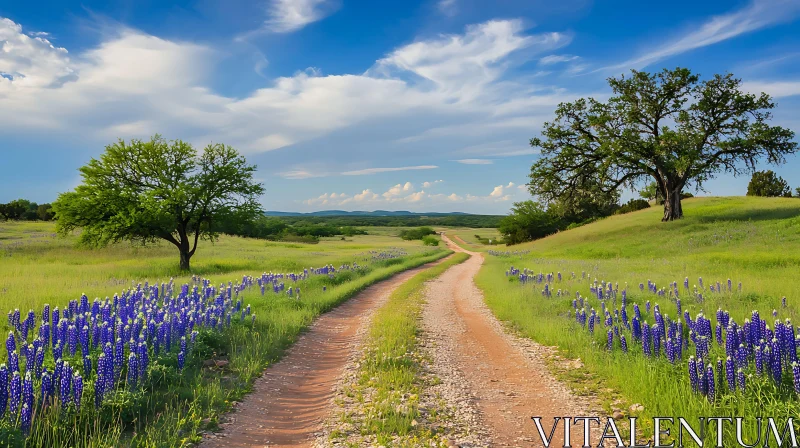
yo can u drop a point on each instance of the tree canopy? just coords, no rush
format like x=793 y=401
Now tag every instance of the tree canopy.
x=669 y=127
x=23 y=209
x=767 y=183
x=143 y=191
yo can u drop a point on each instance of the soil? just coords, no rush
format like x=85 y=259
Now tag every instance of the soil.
x=290 y=401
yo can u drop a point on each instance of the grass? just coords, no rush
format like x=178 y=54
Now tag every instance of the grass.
x=755 y=241
x=37 y=268
x=389 y=382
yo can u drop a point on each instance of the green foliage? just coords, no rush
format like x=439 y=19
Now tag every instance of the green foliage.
x=416 y=233
x=650 y=192
x=430 y=240
x=528 y=220
x=668 y=126
x=25 y=210
x=632 y=206
x=767 y=183
x=456 y=220
x=143 y=191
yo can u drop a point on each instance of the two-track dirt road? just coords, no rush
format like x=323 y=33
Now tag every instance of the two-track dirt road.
x=505 y=377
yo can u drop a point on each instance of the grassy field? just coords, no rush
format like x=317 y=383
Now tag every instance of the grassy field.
x=755 y=241
x=172 y=409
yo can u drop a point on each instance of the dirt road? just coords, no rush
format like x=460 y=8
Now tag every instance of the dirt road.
x=494 y=381
x=507 y=376
x=289 y=403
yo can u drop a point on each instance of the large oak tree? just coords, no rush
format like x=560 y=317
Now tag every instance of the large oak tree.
x=669 y=127
x=143 y=191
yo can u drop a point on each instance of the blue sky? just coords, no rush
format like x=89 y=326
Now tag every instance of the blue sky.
x=350 y=104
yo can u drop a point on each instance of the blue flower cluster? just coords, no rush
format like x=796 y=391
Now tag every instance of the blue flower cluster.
x=107 y=343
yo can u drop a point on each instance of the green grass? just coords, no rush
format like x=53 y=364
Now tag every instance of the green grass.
x=389 y=372
x=755 y=241
x=173 y=409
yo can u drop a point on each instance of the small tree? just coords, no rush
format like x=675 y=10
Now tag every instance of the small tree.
x=668 y=127
x=528 y=220
x=767 y=183
x=649 y=192
x=44 y=212
x=143 y=191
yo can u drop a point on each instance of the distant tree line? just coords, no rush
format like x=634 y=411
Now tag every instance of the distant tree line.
x=25 y=210
x=473 y=221
x=280 y=229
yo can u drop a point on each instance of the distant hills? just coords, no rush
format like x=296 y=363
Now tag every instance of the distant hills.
x=364 y=213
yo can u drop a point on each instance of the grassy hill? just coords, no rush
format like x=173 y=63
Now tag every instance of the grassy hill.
x=755 y=241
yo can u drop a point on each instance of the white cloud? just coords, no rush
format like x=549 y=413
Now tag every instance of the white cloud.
x=448 y=7
x=298 y=174
x=290 y=15
x=460 y=66
x=475 y=161
x=776 y=89
x=398 y=190
x=557 y=58
x=405 y=194
x=756 y=15
x=387 y=170
x=30 y=61
x=134 y=85
x=504 y=148
x=430 y=184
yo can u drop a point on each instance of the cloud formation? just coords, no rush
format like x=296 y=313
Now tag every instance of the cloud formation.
x=290 y=15
x=756 y=15
x=406 y=193
x=134 y=85
x=475 y=161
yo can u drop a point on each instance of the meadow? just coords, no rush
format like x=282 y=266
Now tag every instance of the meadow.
x=184 y=390
x=635 y=261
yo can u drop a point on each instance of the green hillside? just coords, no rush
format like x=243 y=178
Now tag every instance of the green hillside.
x=755 y=241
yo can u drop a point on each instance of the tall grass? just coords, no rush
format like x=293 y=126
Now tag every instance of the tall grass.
x=173 y=409
x=752 y=240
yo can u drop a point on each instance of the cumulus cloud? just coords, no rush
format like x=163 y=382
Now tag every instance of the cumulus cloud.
x=405 y=193
x=134 y=84
x=398 y=190
x=430 y=184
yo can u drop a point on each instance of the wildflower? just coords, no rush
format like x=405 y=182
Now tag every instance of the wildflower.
x=730 y=374
x=77 y=388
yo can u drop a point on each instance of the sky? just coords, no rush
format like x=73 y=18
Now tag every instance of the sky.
x=421 y=105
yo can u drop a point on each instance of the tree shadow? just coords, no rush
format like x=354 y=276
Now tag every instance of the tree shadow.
x=748 y=214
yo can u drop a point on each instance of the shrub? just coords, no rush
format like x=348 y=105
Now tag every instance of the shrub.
x=430 y=240
x=416 y=233
x=632 y=206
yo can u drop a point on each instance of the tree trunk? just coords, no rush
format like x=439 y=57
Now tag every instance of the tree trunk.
x=185 y=259
x=672 y=205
